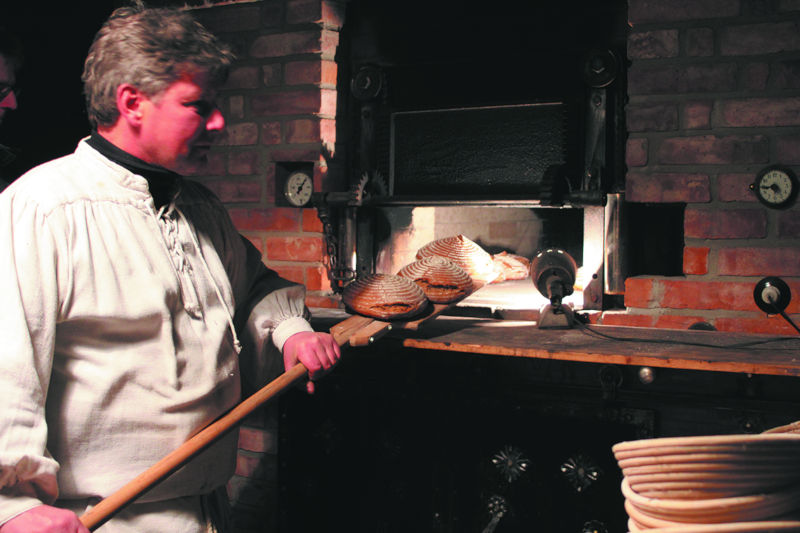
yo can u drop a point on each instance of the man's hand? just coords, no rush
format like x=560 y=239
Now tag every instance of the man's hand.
x=319 y=352
x=44 y=519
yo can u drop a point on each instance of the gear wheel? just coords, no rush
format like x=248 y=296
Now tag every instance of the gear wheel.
x=370 y=185
x=359 y=191
x=378 y=185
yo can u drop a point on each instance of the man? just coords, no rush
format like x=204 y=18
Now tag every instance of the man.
x=122 y=285
x=10 y=61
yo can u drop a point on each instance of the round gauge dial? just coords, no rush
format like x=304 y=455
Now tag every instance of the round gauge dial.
x=775 y=186
x=298 y=189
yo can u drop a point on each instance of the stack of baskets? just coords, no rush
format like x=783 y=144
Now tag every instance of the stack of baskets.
x=719 y=483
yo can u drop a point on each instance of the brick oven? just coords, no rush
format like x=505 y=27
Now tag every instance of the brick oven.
x=711 y=98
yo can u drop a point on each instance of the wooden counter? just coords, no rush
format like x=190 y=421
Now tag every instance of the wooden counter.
x=679 y=349
x=434 y=407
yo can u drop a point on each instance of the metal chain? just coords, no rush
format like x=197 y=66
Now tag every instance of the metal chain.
x=339 y=277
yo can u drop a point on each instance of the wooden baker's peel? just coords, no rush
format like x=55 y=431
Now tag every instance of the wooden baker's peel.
x=355 y=330
x=361 y=330
x=108 y=507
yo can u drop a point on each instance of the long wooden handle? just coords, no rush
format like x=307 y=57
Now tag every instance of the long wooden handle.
x=108 y=507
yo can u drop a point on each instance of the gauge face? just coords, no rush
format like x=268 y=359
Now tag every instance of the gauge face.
x=298 y=189
x=776 y=187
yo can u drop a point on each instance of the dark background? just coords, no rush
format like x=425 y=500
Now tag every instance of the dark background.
x=51 y=116
x=56 y=36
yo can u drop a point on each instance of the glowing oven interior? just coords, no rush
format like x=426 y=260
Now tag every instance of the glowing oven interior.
x=516 y=230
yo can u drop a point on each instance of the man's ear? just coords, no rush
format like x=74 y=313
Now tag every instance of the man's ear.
x=129 y=103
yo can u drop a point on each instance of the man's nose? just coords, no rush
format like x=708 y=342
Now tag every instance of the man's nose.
x=215 y=121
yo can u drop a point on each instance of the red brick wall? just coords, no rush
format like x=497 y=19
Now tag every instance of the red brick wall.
x=280 y=106
x=714 y=96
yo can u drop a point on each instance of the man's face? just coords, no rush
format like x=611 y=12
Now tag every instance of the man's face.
x=179 y=125
x=7 y=79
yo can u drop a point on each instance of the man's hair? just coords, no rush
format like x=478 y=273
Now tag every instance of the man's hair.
x=149 y=48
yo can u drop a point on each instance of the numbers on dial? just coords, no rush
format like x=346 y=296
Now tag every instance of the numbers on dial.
x=298 y=189
x=775 y=186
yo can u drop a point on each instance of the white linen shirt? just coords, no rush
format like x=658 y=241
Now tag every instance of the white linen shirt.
x=116 y=332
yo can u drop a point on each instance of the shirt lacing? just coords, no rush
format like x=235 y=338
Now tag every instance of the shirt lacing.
x=168 y=217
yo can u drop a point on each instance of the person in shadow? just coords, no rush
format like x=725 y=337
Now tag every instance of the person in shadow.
x=11 y=58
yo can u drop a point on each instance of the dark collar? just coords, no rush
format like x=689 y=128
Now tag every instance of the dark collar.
x=163 y=184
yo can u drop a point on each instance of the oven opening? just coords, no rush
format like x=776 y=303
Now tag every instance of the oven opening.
x=506 y=128
x=506 y=231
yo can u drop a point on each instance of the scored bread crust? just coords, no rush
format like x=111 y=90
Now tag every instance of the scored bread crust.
x=384 y=296
x=465 y=253
x=441 y=280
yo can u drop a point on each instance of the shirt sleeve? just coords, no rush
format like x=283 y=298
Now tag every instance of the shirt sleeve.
x=273 y=311
x=27 y=327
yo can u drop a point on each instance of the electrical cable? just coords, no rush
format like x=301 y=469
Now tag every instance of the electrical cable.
x=786 y=317
x=591 y=331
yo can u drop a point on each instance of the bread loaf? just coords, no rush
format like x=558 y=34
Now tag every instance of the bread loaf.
x=465 y=253
x=441 y=280
x=512 y=266
x=384 y=296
